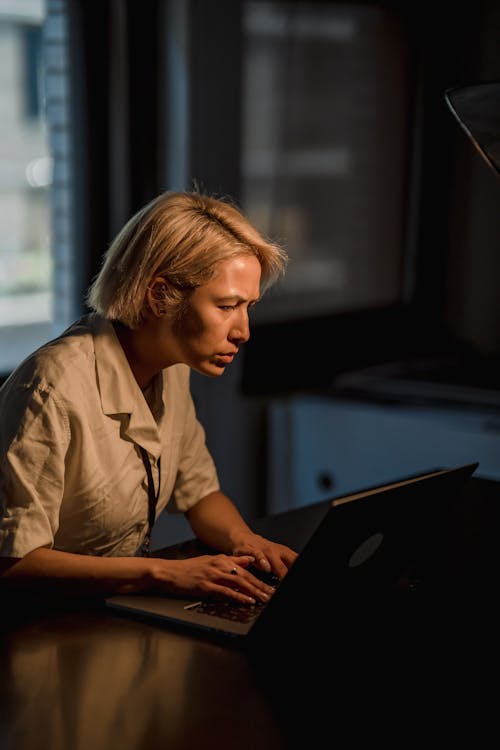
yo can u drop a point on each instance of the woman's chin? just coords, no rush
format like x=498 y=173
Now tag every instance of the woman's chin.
x=211 y=369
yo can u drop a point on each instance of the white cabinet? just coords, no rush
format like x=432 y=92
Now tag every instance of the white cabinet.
x=319 y=447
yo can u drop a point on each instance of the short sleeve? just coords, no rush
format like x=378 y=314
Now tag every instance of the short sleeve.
x=197 y=474
x=33 y=444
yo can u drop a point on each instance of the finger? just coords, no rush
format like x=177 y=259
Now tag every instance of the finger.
x=258 y=559
x=263 y=563
x=239 y=563
x=280 y=570
x=244 y=558
x=254 y=586
x=236 y=594
x=241 y=579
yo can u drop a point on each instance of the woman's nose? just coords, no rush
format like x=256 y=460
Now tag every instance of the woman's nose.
x=240 y=331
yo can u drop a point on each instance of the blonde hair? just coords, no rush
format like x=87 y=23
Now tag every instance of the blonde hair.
x=182 y=237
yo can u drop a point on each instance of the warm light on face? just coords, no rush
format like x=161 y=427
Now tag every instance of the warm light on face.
x=216 y=320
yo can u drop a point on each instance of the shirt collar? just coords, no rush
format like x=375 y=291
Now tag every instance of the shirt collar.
x=119 y=390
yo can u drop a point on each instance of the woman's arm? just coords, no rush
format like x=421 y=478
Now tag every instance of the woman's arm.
x=47 y=574
x=47 y=571
x=217 y=522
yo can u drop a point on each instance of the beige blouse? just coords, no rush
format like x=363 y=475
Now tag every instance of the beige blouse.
x=71 y=474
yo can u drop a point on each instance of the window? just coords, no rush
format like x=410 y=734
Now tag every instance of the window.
x=35 y=242
x=324 y=152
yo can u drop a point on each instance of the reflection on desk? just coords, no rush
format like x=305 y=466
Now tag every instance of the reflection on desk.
x=87 y=680
x=82 y=678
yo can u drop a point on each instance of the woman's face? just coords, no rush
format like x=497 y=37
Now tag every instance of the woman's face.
x=215 y=322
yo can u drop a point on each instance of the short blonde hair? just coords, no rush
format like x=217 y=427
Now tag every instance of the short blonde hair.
x=183 y=237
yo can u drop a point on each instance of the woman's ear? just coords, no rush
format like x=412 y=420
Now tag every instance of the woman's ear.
x=157 y=296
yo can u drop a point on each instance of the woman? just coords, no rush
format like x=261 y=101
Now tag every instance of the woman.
x=99 y=431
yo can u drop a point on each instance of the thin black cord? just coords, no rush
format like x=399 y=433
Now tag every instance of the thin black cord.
x=152 y=500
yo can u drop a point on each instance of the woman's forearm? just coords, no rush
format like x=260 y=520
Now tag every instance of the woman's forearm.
x=46 y=571
x=46 y=574
x=217 y=522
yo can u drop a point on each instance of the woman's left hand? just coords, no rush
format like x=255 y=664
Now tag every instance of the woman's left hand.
x=270 y=557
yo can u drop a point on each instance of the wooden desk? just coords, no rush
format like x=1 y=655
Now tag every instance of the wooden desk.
x=86 y=678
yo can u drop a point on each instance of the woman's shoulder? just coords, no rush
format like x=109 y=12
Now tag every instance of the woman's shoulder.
x=57 y=360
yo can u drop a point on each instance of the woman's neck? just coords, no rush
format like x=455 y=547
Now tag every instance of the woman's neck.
x=131 y=341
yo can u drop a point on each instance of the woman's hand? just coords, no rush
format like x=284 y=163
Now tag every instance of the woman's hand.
x=216 y=521
x=269 y=556
x=211 y=576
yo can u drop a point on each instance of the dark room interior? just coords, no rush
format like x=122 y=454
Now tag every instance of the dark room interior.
x=364 y=138
x=390 y=218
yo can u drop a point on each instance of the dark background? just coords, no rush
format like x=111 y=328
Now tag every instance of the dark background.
x=119 y=55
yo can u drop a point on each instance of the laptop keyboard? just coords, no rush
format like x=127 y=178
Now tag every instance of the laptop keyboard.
x=238 y=612
x=231 y=610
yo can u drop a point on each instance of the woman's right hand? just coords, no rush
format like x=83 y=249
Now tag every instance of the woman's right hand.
x=211 y=576
x=47 y=573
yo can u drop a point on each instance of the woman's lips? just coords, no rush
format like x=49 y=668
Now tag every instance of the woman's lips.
x=225 y=359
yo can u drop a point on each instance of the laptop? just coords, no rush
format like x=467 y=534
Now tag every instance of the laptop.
x=384 y=545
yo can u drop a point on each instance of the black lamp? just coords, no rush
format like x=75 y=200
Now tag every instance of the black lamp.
x=477 y=109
